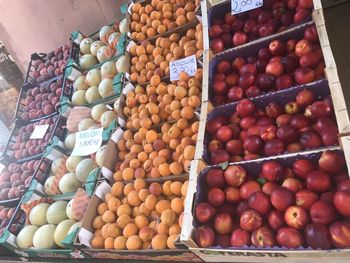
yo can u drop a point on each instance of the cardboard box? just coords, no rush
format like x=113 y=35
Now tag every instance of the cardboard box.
x=196 y=193
x=85 y=235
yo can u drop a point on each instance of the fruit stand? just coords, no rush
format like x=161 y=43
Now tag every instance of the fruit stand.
x=186 y=131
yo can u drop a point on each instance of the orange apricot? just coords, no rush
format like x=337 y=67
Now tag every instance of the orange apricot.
x=108 y=216
x=97 y=242
x=101 y=208
x=159 y=241
x=123 y=220
x=130 y=230
x=175 y=188
x=177 y=205
x=97 y=223
x=120 y=243
x=133 y=243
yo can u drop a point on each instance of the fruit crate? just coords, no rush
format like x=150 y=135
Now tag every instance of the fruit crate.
x=20 y=219
x=14 y=142
x=118 y=47
x=44 y=67
x=85 y=235
x=53 y=91
x=250 y=51
x=222 y=25
x=320 y=89
x=250 y=253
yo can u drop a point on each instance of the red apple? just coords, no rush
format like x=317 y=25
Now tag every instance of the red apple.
x=223 y=67
x=216 y=124
x=277 y=48
x=292 y=184
x=232 y=194
x=323 y=212
x=245 y=108
x=263 y=237
x=238 y=63
x=217 y=45
x=269 y=187
x=247 y=122
x=274 y=147
x=305 y=198
x=282 y=198
x=220 y=87
x=239 y=38
x=250 y=220
x=317 y=236
x=214 y=145
x=296 y=217
x=323 y=123
x=253 y=144
x=267 y=132
x=215 y=178
x=219 y=156
x=303 y=167
x=246 y=80
x=204 y=212
x=318 y=181
x=273 y=110
x=283 y=82
x=204 y=236
x=310 y=34
x=276 y=219
x=235 y=175
x=216 y=197
x=272 y=171
x=340 y=234
x=260 y=202
x=302 y=47
x=289 y=237
x=310 y=139
x=223 y=224
x=274 y=68
x=287 y=134
x=248 y=189
x=344 y=185
x=292 y=108
x=319 y=109
x=235 y=94
x=234 y=147
x=265 y=82
x=240 y=238
x=224 y=134
x=341 y=201
x=252 y=91
x=215 y=31
x=304 y=75
x=332 y=161
x=223 y=241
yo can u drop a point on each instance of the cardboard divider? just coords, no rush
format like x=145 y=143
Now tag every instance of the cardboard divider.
x=196 y=193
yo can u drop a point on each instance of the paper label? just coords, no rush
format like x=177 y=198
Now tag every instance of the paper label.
x=240 y=6
x=188 y=65
x=87 y=142
x=39 y=131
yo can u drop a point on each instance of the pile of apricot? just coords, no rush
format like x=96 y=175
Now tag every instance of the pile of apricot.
x=140 y=215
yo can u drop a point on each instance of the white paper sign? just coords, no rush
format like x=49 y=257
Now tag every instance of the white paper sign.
x=240 y=6
x=87 y=142
x=188 y=65
x=39 y=131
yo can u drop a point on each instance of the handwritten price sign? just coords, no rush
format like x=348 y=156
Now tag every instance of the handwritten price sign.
x=39 y=131
x=240 y=6
x=188 y=65
x=87 y=142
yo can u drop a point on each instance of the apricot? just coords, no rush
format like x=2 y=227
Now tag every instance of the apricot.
x=174 y=229
x=124 y=209
x=98 y=232
x=189 y=152
x=128 y=174
x=159 y=241
x=133 y=198
x=117 y=189
x=141 y=221
x=143 y=193
x=108 y=196
x=135 y=211
x=114 y=231
x=146 y=233
x=104 y=231
x=175 y=188
x=101 y=208
x=174 y=132
x=108 y=216
x=128 y=188
x=97 y=242
x=123 y=220
x=170 y=241
x=168 y=217
x=184 y=188
x=177 y=205
x=151 y=136
x=155 y=172
x=120 y=243
x=150 y=202
x=130 y=229
x=155 y=189
x=176 y=168
x=162 y=205
x=113 y=204
x=97 y=223
x=133 y=243
x=162 y=229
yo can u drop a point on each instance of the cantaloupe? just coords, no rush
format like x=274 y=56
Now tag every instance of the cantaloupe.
x=93 y=77
x=106 y=88
x=107 y=117
x=69 y=142
x=24 y=238
x=80 y=84
x=69 y=183
x=97 y=111
x=72 y=162
x=43 y=237
x=87 y=61
x=96 y=46
x=37 y=215
x=62 y=231
x=78 y=98
x=83 y=169
x=92 y=94
x=85 y=124
x=56 y=212
x=108 y=70
x=85 y=45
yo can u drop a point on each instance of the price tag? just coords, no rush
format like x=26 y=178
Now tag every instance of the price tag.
x=87 y=142
x=39 y=131
x=240 y=6
x=188 y=65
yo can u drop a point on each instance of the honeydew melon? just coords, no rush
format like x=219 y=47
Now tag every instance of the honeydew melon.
x=69 y=142
x=83 y=169
x=80 y=84
x=93 y=77
x=96 y=46
x=44 y=237
x=85 y=124
x=56 y=164
x=100 y=155
x=72 y=162
x=50 y=187
x=74 y=227
x=87 y=61
x=106 y=88
x=107 y=117
x=37 y=215
x=78 y=98
x=104 y=33
x=108 y=70
x=69 y=183
x=25 y=236
x=85 y=45
x=57 y=212
x=92 y=94
x=123 y=64
x=97 y=111
x=62 y=231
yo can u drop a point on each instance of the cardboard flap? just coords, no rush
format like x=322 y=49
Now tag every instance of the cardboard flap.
x=85 y=236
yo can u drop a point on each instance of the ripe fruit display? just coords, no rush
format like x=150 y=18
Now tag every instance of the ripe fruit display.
x=6 y=214
x=271 y=129
x=102 y=47
x=16 y=177
x=160 y=16
x=285 y=216
x=50 y=66
x=140 y=215
x=37 y=102
x=21 y=146
x=97 y=83
x=278 y=66
x=149 y=59
x=227 y=30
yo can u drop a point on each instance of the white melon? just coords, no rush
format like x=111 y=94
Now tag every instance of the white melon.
x=92 y=94
x=106 y=88
x=78 y=98
x=85 y=45
x=97 y=111
x=87 y=61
